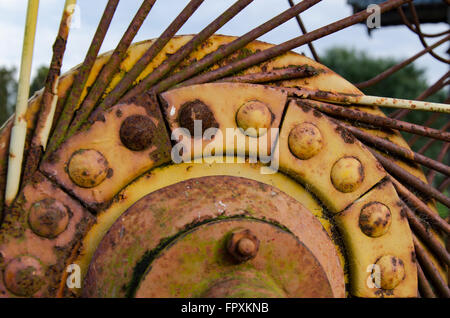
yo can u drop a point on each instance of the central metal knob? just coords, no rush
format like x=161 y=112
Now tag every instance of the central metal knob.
x=246 y=247
x=243 y=245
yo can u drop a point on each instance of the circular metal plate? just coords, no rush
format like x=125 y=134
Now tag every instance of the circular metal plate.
x=198 y=264
x=155 y=220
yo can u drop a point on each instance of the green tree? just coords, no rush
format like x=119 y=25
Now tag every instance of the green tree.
x=8 y=91
x=38 y=81
x=357 y=66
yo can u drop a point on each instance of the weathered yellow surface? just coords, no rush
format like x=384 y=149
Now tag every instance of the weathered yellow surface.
x=19 y=239
x=316 y=176
x=123 y=164
x=165 y=176
x=363 y=250
x=325 y=79
x=224 y=100
x=315 y=172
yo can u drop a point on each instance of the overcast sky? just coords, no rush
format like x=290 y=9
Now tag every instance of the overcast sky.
x=387 y=41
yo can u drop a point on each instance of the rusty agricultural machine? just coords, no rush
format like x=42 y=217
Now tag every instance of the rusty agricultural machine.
x=88 y=179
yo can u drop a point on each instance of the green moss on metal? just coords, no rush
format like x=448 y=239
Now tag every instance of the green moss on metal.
x=144 y=265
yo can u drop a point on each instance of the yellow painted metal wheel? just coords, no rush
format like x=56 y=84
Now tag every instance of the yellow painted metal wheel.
x=112 y=201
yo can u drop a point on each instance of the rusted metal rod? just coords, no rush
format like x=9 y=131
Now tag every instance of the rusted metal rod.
x=127 y=81
x=175 y=59
x=444 y=185
x=401 y=65
x=109 y=70
x=438 y=85
x=430 y=269
x=428 y=237
x=420 y=207
x=228 y=49
x=378 y=121
x=427 y=123
x=424 y=285
x=431 y=142
x=50 y=94
x=405 y=153
x=416 y=21
x=81 y=78
x=304 y=31
x=427 y=145
x=442 y=154
x=406 y=104
x=271 y=76
x=413 y=29
x=366 y=100
x=289 y=45
x=410 y=179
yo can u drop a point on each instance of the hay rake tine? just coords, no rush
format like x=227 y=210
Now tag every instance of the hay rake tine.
x=405 y=153
x=127 y=81
x=428 y=238
x=400 y=65
x=280 y=49
x=367 y=100
x=444 y=184
x=432 y=141
x=81 y=78
x=375 y=120
x=412 y=27
x=439 y=84
x=19 y=130
x=424 y=285
x=413 y=11
x=50 y=95
x=410 y=198
x=232 y=47
x=175 y=59
x=271 y=76
x=428 y=122
x=420 y=207
x=430 y=269
x=442 y=154
x=413 y=181
x=304 y=31
x=109 y=70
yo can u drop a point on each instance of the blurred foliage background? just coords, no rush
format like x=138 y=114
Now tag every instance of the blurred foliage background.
x=354 y=65
x=8 y=88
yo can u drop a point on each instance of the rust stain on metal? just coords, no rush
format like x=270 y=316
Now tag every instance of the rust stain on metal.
x=196 y=110
x=288 y=267
x=172 y=210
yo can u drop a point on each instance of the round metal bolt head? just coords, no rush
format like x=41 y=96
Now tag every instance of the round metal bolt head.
x=194 y=111
x=243 y=245
x=23 y=276
x=392 y=271
x=305 y=141
x=347 y=174
x=375 y=219
x=252 y=116
x=246 y=247
x=136 y=132
x=87 y=168
x=48 y=218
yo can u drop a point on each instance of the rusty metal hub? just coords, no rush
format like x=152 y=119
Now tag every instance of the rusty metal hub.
x=207 y=228
x=198 y=264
